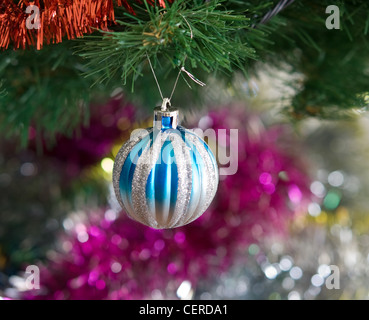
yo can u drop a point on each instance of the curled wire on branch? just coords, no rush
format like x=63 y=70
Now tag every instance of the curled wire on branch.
x=283 y=4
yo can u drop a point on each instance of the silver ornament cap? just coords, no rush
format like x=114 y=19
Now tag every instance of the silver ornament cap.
x=165 y=116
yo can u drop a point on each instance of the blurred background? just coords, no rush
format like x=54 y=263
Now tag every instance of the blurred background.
x=291 y=223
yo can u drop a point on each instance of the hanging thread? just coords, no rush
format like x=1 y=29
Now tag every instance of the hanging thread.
x=156 y=80
x=182 y=69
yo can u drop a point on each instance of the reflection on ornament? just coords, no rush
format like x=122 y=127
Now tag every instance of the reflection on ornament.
x=166 y=176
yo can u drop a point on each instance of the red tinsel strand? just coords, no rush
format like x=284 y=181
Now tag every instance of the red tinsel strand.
x=57 y=18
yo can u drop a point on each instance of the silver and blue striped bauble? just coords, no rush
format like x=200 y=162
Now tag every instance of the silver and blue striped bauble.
x=166 y=176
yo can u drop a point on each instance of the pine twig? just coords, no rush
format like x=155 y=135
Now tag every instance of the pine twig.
x=217 y=42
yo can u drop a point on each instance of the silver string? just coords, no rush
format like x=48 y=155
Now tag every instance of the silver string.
x=273 y=12
x=279 y=7
x=156 y=80
x=192 y=77
x=184 y=61
x=175 y=84
x=184 y=18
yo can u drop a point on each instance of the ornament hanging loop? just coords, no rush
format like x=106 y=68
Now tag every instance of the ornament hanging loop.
x=165 y=118
x=164 y=105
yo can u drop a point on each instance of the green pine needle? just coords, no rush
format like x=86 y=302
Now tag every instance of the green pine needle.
x=46 y=89
x=212 y=37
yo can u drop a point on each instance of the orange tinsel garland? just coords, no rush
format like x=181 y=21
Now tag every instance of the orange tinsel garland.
x=57 y=18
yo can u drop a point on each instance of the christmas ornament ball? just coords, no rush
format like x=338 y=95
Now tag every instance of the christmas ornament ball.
x=165 y=176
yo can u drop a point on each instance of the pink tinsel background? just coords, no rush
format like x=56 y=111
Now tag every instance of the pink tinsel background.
x=109 y=256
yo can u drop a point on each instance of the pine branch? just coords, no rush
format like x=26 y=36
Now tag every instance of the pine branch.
x=44 y=91
x=334 y=63
x=218 y=41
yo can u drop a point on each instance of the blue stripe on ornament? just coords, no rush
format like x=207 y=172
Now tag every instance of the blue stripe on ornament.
x=162 y=185
x=212 y=157
x=206 y=146
x=128 y=169
x=197 y=179
x=199 y=175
